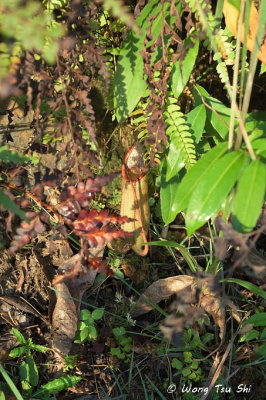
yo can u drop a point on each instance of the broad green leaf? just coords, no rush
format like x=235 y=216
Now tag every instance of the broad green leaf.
x=84 y=315
x=174 y=161
x=191 y=180
x=256 y=319
x=24 y=371
x=33 y=371
x=252 y=288
x=259 y=145
x=11 y=205
x=249 y=197
x=20 y=338
x=253 y=334
x=196 y=119
x=181 y=71
x=98 y=313
x=192 y=263
x=57 y=385
x=129 y=82
x=212 y=190
x=168 y=193
x=18 y=351
x=217 y=113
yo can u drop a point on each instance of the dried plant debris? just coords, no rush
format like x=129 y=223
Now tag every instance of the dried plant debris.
x=194 y=296
x=243 y=251
x=68 y=293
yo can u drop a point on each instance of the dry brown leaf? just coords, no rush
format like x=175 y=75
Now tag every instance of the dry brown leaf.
x=66 y=311
x=161 y=290
x=201 y=291
x=212 y=304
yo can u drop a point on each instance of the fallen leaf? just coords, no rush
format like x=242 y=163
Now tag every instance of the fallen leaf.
x=161 y=290
x=201 y=291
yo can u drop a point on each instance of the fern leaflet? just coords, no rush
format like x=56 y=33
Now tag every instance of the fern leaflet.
x=180 y=138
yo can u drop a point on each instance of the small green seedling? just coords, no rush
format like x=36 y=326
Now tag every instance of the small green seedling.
x=190 y=370
x=86 y=327
x=124 y=349
x=28 y=370
x=29 y=374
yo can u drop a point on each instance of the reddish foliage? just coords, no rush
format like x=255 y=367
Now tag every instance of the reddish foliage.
x=79 y=269
x=27 y=230
x=93 y=227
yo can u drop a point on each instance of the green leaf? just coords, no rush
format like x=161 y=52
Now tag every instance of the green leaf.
x=249 y=197
x=182 y=71
x=24 y=371
x=84 y=334
x=175 y=161
x=98 y=313
x=253 y=334
x=11 y=205
x=257 y=320
x=8 y=156
x=196 y=119
x=57 y=385
x=217 y=113
x=177 y=363
x=168 y=192
x=252 y=288
x=192 y=263
x=194 y=365
x=129 y=82
x=38 y=347
x=212 y=190
x=187 y=356
x=192 y=179
x=261 y=351
x=259 y=145
x=18 y=351
x=262 y=69
x=92 y=332
x=33 y=371
x=119 y=331
x=84 y=315
x=235 y=3
x=186 y=371
x=20 y=338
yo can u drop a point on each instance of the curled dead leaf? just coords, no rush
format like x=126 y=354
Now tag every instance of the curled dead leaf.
x=161 y=290
x=201 y=292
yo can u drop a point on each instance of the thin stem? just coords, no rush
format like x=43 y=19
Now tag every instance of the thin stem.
x=235 y=77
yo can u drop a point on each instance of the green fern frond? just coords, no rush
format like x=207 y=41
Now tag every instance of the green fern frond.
x=178 y=132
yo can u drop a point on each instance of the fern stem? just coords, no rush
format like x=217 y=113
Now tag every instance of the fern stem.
x=254 y=60
x=235 y=77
